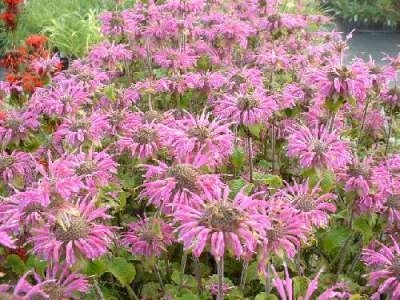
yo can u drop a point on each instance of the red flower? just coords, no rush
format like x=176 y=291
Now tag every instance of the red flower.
x=30 y=82
x=3 y=115
x=12 y=4
x=10 y=19
x=36 y=41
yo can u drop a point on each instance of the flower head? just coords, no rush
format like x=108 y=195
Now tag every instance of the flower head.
x=385 y=264
x=314 y=208
x=78 y=231
x=148 y=237
x=221 y=225
x=317 y=147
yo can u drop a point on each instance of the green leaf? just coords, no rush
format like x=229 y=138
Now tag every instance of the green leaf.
x=300 y=285
x=16 y=264
x=363 y=225
x=238 y=158
x=271 y=180
x=333 y=240
x=37 y=264
x=96 y=267
x=264 y=296
x=124 y=271
x=237 y=184
x=151 y=291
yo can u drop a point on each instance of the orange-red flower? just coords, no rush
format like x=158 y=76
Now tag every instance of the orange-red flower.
x=36 y=41
x=9 y=19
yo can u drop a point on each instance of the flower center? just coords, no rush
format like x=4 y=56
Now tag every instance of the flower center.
x=200 y=132
x=5 y=162
x=247 y=103
x=319 y=147
x=359 y=170
x=393 y=201
x=77 y=228
x=54 y=292
x=144 y=136
x=79 y=125
x=185 y=175
x=223 y=217
x=87 y=167
x=33 y=207
x=152 y=115
x=304 y=203
x=275 y=232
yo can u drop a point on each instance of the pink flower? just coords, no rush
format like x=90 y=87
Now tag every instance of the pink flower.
x=60 y=283
x=317 y=147
x=96 y=169
x=148 y=237
x=109 y=55
x=357 y=176
x=286 y=232
x=76 y=130
x=246 y=109
x=16 y=126
x=197 y=134
x=385 y=264
x=64 y=97
x=346 y=81
x=78 y=231
x=221 y=225
x=175 y=59
x=285 y=286
x=169 y=186
x=314 y=208
x=59 y=178
x=17 y=164
x=142 y=141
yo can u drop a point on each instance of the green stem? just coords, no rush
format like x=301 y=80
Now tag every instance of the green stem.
x=220 y=269
x=250 y=156
x=273 y=145
x=198 y=274
x=243 y=275
x=390 y=130
x=131 y=293
x=362 y=123
x=158 y=274
x=183 y=267
x=98 y=290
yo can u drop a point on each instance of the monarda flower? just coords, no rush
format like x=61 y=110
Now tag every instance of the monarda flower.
x=148 y=237
x=357 y=176
x=36 y=41
x=59 y=283
x=169 y=186
x=314 y=208
x=192 y=135
x=142 y=141
x=75 y=130
x=285 y=287
x=17 y=125
x=385 y=264
x=61 y=100
x=15 y=165
x=221 y=225
x=96 y=169
x=246 y=109
x=317 y=147
x=79 y=232
x=346 y=81
x=286 y=232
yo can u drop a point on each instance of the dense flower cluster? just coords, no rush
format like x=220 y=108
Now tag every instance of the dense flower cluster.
x=199 y=130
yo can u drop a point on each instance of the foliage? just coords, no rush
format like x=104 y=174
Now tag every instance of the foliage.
x=379 y=12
